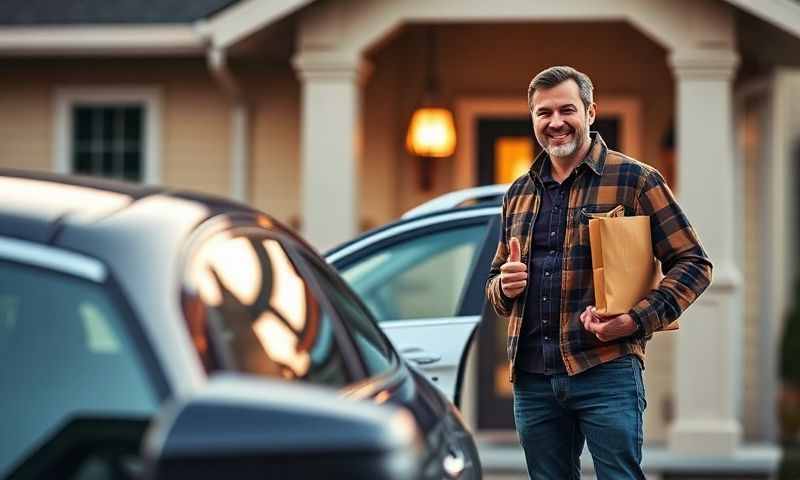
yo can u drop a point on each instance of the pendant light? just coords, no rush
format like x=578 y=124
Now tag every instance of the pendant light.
x=431 y=131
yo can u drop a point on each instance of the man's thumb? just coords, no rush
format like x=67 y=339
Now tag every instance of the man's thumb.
x=513 y=246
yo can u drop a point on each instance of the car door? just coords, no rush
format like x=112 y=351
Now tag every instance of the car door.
x=450 y=449
x=422 y=280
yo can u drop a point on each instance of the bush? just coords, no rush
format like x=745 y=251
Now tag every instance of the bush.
x=790 y=344
x=790 y=373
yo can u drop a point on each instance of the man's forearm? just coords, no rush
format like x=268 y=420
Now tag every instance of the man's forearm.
x=681 y=286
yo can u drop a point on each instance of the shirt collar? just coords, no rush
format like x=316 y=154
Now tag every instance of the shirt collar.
x=595 y=159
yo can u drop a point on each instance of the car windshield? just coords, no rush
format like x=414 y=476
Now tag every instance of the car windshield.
x=66 y=354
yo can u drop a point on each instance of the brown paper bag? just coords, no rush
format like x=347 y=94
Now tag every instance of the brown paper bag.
x=623 y=264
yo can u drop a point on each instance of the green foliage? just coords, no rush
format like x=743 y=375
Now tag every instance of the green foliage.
x=790 y=344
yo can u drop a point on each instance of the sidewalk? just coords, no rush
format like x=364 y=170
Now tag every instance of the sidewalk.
x=502 y=459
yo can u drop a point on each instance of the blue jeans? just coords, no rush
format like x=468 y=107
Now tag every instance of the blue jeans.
x=603 y=406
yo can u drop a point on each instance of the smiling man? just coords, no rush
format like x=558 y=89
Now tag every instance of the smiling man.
x=578 y=377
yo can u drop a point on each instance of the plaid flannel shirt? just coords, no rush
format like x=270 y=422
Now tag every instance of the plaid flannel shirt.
x=605 y=179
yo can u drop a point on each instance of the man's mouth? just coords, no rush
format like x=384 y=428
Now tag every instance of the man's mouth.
x=560 y=137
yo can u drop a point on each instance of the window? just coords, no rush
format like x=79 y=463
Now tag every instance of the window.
x=258 y=314
x=423 y=277
x=108 y=141
x=111 y=133
x=374 y=349
x=65 y=353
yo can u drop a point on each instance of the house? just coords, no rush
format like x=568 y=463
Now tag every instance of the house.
x=300 y=107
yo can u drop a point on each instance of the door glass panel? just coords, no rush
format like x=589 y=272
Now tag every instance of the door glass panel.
x=513 y=157
x=373 y=347
x=258 y=313
x=65 y=353
x=423 y=277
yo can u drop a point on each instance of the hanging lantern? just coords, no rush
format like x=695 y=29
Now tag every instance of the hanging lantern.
x=431 y=131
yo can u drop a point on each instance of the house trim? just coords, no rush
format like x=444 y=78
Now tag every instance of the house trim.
x=245 y=18
x=784 y=14
x=137 y=40
x=150 y=97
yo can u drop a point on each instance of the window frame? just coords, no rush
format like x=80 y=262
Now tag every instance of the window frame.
x=248 y=225
x=149 y=97
x=464 y=306
x=394 y=360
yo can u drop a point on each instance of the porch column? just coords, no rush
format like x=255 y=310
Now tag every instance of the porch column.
x=330 y=145
x=709 y=344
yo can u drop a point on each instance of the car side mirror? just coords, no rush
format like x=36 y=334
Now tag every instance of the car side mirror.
x=253 y=428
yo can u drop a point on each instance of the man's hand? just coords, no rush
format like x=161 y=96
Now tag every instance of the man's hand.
x=513 y=273
x=607 y=329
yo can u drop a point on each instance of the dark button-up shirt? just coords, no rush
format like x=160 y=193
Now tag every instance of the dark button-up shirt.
x=539 y=350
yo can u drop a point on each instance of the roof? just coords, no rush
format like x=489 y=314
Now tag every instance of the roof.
x=103 y=12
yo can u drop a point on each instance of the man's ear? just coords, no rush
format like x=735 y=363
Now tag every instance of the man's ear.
x=591 y=113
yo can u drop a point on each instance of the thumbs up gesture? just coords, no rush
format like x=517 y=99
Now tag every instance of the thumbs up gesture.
x=513 y=273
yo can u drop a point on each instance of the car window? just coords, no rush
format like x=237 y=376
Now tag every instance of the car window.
x=421 y=277
x=257 y=313
x=65 y=353
x=375 y=350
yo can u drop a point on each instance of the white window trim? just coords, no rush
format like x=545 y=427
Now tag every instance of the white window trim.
x=150 y=97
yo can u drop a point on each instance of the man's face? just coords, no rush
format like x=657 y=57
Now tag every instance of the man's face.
x=560 y=121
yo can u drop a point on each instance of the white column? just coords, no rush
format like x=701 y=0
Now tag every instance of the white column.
x=330 y=145
x=709 y=344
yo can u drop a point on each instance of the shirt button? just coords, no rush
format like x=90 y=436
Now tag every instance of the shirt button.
x=546 y=274
x=547 y=339
x=545 y=299
x=552 y=234
x=552 y=252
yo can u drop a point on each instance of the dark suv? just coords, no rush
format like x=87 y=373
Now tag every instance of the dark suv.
x=116 y=299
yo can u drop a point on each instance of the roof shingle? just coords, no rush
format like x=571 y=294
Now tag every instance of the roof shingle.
x=94 y=12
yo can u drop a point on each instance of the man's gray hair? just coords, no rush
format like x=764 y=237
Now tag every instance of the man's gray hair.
x=553 y=76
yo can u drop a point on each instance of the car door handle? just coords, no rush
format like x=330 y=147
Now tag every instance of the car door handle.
x=420 y=356
x=454 y=463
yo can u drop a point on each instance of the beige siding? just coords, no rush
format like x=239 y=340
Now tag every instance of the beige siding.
x=197 y=127
x=195 y=118
x=275 y=170
x=25 y=123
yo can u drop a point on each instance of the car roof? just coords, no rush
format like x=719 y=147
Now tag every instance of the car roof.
x=138 y=233
x=425 y=219
x=37 y=206
x=466 y=200
x=482 y=195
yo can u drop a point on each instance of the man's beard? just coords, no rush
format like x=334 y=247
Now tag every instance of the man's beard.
x=564 y=150
x=568 y=149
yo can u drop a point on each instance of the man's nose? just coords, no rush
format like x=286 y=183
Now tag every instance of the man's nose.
x=556 y=121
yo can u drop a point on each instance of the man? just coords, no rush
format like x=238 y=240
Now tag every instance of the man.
x=577 y=376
